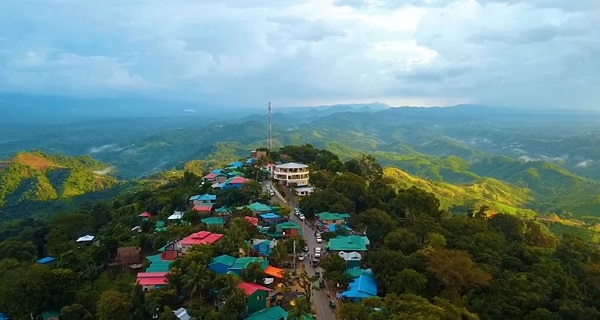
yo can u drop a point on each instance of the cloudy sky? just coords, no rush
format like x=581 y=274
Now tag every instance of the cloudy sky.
x=538 y=53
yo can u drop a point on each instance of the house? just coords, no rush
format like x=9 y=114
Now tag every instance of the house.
x=203 y=199
x=221 y=264
x=273 y=272
x=270 y=218
x=263 y=247
x=86 y=239
x=257 y=296
x=198 y=238
x=255 y=154
x=235 y=174
x=291 y=174
x=177 y=215
x=288 y=229
x=272 y=313
x=127 y=256
x=46 y=260
x=252 y=220
x=213 y=221
x=348 y=243
x=234 y=165
x=304 y=191
x=242 y=263
x=362 y=287
x=332 y=218
x=218 y=177
x=258 y=208
x=337 y=227
x=51 y=315
x=357 y=272
x=145 y=215
x=235 y=182
x=160 y=226
x=352 y=258
x=205 y=208
x=182 y=314
x=4 y=316
x=161 y=262
x=152 y=280
x=222 y=211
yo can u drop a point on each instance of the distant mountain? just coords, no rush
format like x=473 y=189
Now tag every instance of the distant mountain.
x=37 y=177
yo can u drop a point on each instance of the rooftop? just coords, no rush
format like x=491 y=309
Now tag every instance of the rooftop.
x=332 y=216
x=243 y=262
x=274 y=272
x=87 y=238
x=213 y=221
x=357 y=272
x=349 y=256
x=177 y=215
x=145 y=214
x=362 y=287
x=291 y=165
x=157 y=264
x=46 y=260
x=202 y=237
x=203 y=207
x=235 y=180
x=288 y=225
x=152 y=278
x=224 y=259
x=250 y=288
x=347 y=243
x=207 y=197
x=270 y=215
x=252 y=220
x=259 y=207
x=272 y=313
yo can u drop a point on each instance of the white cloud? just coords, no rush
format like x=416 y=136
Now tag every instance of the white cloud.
x=532 y=53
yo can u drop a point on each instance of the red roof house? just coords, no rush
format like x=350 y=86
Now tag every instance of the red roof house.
x=252 y=220
x=257 y=296
x=152 y=280
x=145 y=214
x=203 y=208
x=198 y=238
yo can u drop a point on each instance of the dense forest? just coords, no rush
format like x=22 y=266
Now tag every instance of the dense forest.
x=429 y=263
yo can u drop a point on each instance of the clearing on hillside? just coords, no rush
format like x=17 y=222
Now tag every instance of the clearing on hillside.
x=33 y=160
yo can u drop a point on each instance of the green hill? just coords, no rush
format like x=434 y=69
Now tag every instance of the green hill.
x=35 y=176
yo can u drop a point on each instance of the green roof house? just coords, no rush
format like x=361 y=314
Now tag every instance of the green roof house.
x=160 y=226
x=272 y=313
x=221 y=264
x=51 y=315
x=348 y=243
x=243 y=262
x=157 y=264
x=289 y=229
x=223 y=211
x=213 y=221
x=331 y=218
x=258 y=207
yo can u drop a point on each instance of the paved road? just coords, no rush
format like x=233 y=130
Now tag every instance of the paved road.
x=320 y=299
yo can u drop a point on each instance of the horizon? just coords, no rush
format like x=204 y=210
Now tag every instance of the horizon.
x=534 y=54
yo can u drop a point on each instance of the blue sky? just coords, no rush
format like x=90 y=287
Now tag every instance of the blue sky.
x=538 y=53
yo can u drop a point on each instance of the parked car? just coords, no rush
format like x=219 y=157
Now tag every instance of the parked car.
x=315 y=263
x=301 y=257
x=302 y=217
x=305 y=248
x=319 y=240
x=317 y=252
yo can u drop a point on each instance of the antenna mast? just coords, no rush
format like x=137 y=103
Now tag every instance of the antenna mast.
x=270 y=138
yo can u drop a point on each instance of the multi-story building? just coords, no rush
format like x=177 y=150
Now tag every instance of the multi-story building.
x=291 y=174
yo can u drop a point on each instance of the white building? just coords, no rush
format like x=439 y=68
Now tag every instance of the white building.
x=291 y=174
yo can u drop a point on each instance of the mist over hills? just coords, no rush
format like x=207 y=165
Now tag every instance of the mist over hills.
x=550 y=158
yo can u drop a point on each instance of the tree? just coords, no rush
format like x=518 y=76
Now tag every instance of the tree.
x=234 y=306
x=413 y=202
x=114 y=305
x=75 y=312
x=351 y=186
x=325 y=200
x=332 y=263
x=455 y=271
x=226 y=285
x=14 y=248
x=402 y=239
x=196 y=280
x=167 y=314
x=305 y=281
x=253 y=273
x=378 y=224
x=370 y=168
x=279 y=254
x=409 y=281
x=300 y=309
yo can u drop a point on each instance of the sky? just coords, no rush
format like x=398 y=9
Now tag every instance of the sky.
x=529 y=53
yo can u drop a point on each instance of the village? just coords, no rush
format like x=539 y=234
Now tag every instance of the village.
x=285 y=249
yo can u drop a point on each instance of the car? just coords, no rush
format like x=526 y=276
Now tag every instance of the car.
x=305 y=248
x=321 y=283
x=301 y=257
x=315 y=263
x=302 y=217
x=319 y=240
x=317 y=252
x=317 y=272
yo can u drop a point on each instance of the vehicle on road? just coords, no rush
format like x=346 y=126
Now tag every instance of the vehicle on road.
x=319 y=240
x=321 y=283
x=301 y=257
x=315 y=263
x=318 y=272
x=297 y=211
x=305 y=248
x=332 y=304
x=317 y=252
x=302 y=217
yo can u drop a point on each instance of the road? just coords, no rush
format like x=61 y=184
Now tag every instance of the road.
x=320 y=299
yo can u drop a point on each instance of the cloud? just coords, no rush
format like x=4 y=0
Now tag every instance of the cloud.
x=584 y=164
x=539 y=53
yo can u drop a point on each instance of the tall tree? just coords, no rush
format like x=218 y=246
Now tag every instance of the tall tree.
x=300 y=309
x=114 y=305
x=196 y=280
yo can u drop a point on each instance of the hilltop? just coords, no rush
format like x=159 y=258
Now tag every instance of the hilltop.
x=32 y=177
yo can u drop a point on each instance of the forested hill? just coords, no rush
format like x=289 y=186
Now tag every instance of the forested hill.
x=32 y=177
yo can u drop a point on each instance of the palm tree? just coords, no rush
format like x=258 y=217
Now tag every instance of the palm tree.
x=196 y=279
x=226 y=285
x=300 y=309
x=278 y=254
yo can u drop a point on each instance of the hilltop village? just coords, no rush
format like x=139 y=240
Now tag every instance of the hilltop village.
x=291 y=234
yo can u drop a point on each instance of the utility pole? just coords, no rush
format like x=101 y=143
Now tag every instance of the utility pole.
x=270 y=137
x=294 y=255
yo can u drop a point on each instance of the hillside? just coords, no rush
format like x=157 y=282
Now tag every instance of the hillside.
x=35 y=177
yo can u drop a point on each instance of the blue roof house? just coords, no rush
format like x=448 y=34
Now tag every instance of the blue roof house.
x=270 y=218
x=46 y=260
x=235 y=165
x=263 y=247
x=221 y=264
x=202 y=199
x=362 y=287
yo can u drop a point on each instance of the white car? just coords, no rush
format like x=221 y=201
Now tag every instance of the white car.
x=319 y=240
x=301 y=257
x=302 y=217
